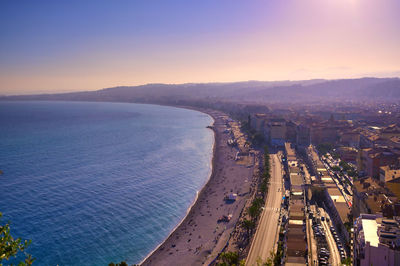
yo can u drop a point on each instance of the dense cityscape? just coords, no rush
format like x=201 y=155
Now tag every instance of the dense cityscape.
x=342 y=172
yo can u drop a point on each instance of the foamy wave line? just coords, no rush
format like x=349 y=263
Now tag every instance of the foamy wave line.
x=191 y=206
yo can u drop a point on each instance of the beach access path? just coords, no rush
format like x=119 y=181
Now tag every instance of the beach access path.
x=267 y=231
x=200 y=235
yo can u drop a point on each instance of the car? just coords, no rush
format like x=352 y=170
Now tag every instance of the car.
x=323 y=262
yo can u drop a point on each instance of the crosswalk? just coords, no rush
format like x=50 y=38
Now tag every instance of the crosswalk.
x=272 y=209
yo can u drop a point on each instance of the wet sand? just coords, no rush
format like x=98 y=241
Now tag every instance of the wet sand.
x=199 y=237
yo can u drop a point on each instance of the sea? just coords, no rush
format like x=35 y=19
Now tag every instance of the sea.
x=92 y=183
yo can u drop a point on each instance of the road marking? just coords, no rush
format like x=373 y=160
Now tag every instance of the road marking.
x=272 y=209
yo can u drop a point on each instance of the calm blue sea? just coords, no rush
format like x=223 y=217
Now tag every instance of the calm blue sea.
x=94 y=183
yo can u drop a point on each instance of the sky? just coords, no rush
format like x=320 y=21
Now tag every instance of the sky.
x=60 y=46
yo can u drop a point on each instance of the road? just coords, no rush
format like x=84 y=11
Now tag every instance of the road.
x=266 y=235
x=313 y=254
x=335 y=255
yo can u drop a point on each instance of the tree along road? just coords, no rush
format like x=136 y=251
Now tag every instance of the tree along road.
x=266 y=235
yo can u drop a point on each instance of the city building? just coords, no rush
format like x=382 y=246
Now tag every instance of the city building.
x=350 y=138
x=390 y=131
x=303 y=137
x=291 y=132
x=323 y=133
x=257 y=121
x=370 y=160
x=374 y=197
x=389 y=173
x=348 y=154
x=296 y=241
x=376 y=241
x=276 y=130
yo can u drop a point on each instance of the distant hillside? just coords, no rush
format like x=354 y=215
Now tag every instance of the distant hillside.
x=249 y=91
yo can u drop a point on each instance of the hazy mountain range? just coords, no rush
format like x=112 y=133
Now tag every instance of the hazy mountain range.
x=363 y=89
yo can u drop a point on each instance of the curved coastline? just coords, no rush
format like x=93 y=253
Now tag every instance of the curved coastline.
x=199 y=237
x=197 y=193
x=204 y=166
x=226 y=177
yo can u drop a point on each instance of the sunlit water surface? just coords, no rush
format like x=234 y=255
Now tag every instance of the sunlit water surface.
x=92 y=183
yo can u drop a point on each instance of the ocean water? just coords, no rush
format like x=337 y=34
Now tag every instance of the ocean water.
x=94 y=183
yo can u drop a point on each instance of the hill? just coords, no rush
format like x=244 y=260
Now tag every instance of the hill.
x=363 y=89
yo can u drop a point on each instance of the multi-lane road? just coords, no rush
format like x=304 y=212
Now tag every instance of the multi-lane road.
x=335 y=255
x=267 y=231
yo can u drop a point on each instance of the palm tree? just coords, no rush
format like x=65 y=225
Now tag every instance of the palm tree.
x=254 y=211
x=248 y=225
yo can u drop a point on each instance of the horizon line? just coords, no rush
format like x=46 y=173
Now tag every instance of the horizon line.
x=194 y=83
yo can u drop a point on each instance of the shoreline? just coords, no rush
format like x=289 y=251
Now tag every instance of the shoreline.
x=180 y=247
x=197 y=193
x=213 y=234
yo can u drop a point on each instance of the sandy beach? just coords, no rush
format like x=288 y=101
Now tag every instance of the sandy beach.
x=200 y=237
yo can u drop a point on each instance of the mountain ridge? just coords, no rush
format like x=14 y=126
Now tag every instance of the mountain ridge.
x=245 y=91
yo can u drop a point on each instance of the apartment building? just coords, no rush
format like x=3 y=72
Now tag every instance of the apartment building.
x=376 y=241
